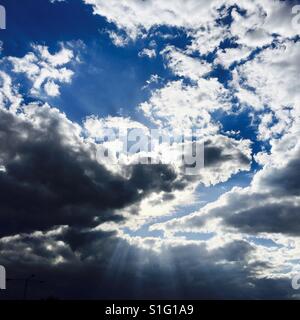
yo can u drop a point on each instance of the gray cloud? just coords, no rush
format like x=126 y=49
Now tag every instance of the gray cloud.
x=99 y=265
x=225 y=150
x=274 y=207
x=272 y=217
x=48 y=182
x=270 y=205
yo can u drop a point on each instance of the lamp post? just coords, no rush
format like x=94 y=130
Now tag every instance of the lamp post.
x=27 y=281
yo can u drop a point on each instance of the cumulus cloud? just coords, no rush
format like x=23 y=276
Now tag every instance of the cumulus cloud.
x=227 y=57
x=56 y=178
x=267 y=210
x=9 y=95
x=265 y=78
x=46 y=71
x=141 y=15
x=253 y=22
x=118 y=39
x=112 y=268
x=150 y=53
x=177 y=104
x=184 y=66
x=269 y=205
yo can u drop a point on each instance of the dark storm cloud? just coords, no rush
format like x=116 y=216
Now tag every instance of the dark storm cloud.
x=215 y=155
x=111 y=268
x=48 y=182
x=272 y=207
x=286 y=180
x=281 y=217
x=161 y=179
x=223 y=151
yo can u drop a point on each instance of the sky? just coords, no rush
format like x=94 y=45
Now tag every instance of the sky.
x=90 y=227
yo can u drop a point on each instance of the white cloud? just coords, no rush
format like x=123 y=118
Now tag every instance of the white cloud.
x=150 y=53
x=118 y=39
x=253 y=28
x=226 y=57
x=185 y=66
x=9 y=96
x=208 y=38
x=265 y=212
x=270 y=81
x=178 y=106
x=95 y=126
x=52 y=89
x=45 y=70
x=143 y=15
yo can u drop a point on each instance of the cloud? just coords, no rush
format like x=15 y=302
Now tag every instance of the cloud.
x=9 y=95
x=52 y=89
x=109 y=267
x=118 y=39
x=45 y=70
x=262 y=21
x=223 y=158
x=53 y=1
x=65 y=216
x=226 y=57
x=178 y=104
x=254 y=23
x=52 y=177
x=257 y=81
x=270 y=205
x=150 y=53
x=145 y=15
x=184 y=66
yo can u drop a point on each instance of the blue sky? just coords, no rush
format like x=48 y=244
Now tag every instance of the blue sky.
x=115 y=76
